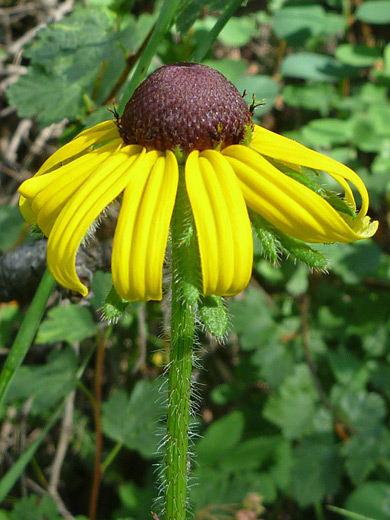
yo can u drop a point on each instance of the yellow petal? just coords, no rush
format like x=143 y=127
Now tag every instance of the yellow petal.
x=222 y=223
x=25 y=206
x=47 y=194
x=282 y=149
x=289 y=205
x=142 y=230
x=101 y=188
x=98 y=134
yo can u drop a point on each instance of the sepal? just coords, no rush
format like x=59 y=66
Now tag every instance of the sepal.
x=114 y=306
x=213 y=315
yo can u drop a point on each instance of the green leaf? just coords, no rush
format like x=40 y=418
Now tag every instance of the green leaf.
x=293 y=408
x=252 y=319
x=316 y=67
x=101 y=286
x=11 y=223
x=327 y=132
x=370 y=499
x=39 y=93
x=189 y=11
x=45 y=384
x=352 y=262
x=213 y=315
x=312 y=96
x=270 y=356
x=249 y=454
x=297 y=24
x=35 y=507
x=346 y=366
x=10 y=317
x=375 y=12
x=132 y=420
x=357 y=55
x=362 y=410
x=234 y=70
x=238 y=31
x=365 y=451
x=317 y=470
x=114 y=306
x=219 y=438
x=72 y=323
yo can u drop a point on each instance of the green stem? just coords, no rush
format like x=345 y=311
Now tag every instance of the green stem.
x=212 y=35
x=26 y=332
x=164 y=21
x=184 y=298
x=111 y=456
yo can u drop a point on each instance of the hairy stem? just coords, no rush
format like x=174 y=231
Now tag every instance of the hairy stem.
x=184 y=297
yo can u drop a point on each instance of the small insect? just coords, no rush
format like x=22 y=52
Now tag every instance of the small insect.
x=117 y=117
x=254 y=105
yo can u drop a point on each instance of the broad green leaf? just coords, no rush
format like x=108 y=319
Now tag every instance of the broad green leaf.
x=133 y=420
x=293 y=407
x=238 y=31
x=315 y=67
x=10 y=317
x=357 y=55
x=327 y=132
x=371 y=499
x=311 y=96
x=362 y=410
x=252 y=319
x=71 y=323
x=219 y=438
x=45 y=384
x=11 y=222
x=317 y=470
x=189 y=11
x=35 y=507
x=365 y=451
x=249 y=454
x=375 y=12
x=352 y=262
x=37 y=93
x=270 y=356
x=234 y=70
x=297 y=24
x=346 y=366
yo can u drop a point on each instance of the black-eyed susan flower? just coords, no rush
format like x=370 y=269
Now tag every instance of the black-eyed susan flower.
x=184 y=119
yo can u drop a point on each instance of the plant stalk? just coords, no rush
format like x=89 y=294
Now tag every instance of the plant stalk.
x=181 y=355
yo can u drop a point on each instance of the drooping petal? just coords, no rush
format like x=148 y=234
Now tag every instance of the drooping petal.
x=98 y=134
x=282 y=149
x=47 y=194
x=289 y=205
x=84 y=206
x=142 y=230
x=222 y=223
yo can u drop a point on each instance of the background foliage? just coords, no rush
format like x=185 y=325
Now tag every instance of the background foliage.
x=294 y=408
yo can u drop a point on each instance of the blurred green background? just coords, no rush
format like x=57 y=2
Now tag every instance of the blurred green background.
x=293 y=410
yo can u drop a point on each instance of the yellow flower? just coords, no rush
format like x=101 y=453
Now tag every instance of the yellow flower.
x=225 y=174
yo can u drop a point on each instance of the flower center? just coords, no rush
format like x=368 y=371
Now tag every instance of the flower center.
x=187 y=106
